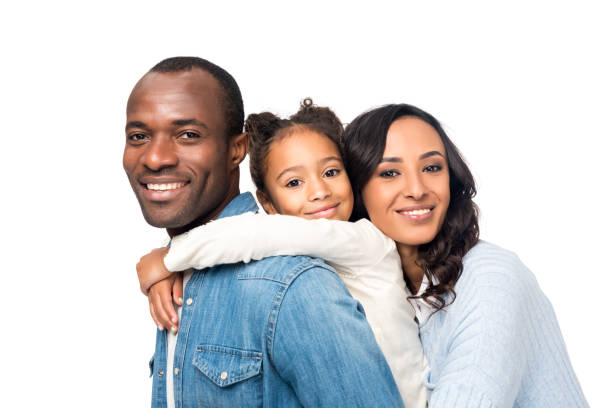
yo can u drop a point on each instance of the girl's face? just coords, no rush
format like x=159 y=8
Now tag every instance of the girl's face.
x=409 y=192
x=305 y=177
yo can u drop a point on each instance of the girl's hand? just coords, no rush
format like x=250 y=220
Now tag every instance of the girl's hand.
x=151 y=269
x=161 y=296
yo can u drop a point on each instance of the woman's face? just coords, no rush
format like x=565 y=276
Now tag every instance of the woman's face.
x=409 y=192
x=305 y=177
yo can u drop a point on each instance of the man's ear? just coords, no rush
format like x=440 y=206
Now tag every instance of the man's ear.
x=238 y=148
x=265 y=202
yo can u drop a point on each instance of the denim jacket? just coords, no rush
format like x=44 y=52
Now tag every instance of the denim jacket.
x=280 y=332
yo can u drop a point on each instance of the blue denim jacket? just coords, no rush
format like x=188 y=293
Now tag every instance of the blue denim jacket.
x=280 y=332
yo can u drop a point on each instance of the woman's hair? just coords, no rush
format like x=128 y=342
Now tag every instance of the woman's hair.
x=364 y=143
x=265 y=128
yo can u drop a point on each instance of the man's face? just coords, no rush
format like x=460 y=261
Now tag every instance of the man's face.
x=176 y=150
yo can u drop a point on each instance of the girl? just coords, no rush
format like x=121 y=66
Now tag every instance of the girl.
x=298 y=170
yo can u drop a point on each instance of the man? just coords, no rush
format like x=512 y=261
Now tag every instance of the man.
x=280 y=332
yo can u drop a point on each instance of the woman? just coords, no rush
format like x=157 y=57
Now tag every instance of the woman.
x=489 y=334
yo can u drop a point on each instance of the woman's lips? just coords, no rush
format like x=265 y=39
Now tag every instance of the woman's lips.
x=324 y=212
x=416 y=214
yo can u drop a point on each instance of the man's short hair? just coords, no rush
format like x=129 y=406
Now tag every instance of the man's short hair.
x=234 y=108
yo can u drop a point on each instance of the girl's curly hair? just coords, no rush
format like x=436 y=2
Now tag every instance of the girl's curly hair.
x=265 y=128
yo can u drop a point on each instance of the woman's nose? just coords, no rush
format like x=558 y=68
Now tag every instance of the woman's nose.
x=414 y=187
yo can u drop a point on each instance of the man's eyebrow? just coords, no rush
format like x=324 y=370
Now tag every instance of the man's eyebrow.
x=136 y=124
x=185 y=122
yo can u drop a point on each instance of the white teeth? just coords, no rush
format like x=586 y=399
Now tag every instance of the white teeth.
x=418 y=212
x=164 y=187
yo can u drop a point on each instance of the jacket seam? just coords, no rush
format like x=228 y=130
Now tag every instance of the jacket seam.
x=278 y=299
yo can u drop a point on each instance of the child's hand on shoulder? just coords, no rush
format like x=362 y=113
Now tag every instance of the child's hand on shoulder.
x=151 y=269
x=161 y=296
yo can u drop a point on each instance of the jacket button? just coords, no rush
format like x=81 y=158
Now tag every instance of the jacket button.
x=176 y=370
x=224 y=375
x=189 y=301
x=160 y=373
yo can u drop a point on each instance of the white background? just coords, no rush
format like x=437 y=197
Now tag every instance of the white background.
x=524 y=89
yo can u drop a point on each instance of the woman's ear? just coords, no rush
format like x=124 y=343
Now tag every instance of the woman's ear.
x=265 y=202
x=238 y=148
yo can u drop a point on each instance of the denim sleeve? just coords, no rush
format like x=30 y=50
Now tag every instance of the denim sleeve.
x=324 y=348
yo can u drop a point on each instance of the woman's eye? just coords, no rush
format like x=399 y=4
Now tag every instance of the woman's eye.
x=293 y=183
x=389 y=173
x=432 y=168
x=189 y=135
x=331 y=172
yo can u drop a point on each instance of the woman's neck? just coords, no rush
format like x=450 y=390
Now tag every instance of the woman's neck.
x=413 y=273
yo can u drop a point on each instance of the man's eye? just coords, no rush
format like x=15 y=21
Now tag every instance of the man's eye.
x=432 y=168
x=389 y=174
x=331 y=172
x=293 y=183
x=137 y=137
x=189 y=135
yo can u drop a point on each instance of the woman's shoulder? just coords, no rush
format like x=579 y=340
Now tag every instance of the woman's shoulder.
x=489 y=265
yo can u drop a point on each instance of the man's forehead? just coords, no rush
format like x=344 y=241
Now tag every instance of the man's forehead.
x=194 y=82
x=185 y=91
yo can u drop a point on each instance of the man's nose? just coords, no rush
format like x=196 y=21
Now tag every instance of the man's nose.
x=414 y=187
x=160 y=154
x=319 y=190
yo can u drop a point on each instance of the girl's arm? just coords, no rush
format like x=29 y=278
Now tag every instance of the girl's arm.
x=255 y=236
x=252 y=236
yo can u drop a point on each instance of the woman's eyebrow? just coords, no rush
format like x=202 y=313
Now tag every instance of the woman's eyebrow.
x=421 y=157
x=429 y=154
x=391 y=160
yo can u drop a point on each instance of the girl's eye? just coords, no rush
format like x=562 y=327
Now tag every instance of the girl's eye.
x=331 y=172
x=432 y=168
x=189 y=135
x=389 y=174
x=293 y=183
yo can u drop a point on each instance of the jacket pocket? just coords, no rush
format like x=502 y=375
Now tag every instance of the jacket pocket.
x=225 y=366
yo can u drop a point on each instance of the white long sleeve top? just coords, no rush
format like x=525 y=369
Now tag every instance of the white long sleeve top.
x=365 y=259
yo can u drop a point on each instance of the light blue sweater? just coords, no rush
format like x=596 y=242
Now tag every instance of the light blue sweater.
x=499 y=344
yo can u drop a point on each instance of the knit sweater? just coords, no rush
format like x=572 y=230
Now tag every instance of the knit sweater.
x=498 y=344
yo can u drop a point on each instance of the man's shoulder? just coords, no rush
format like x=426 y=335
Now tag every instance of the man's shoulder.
x=283 y=269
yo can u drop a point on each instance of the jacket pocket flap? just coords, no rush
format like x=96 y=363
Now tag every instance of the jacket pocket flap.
x=225 y=366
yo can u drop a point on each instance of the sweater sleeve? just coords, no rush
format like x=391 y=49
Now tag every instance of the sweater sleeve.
x=252 y=236
x=489 y=326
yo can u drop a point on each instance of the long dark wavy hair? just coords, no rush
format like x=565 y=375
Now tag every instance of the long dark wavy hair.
x=364 y=143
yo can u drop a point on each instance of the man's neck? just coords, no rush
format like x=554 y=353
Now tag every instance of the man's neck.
x=172 y=232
